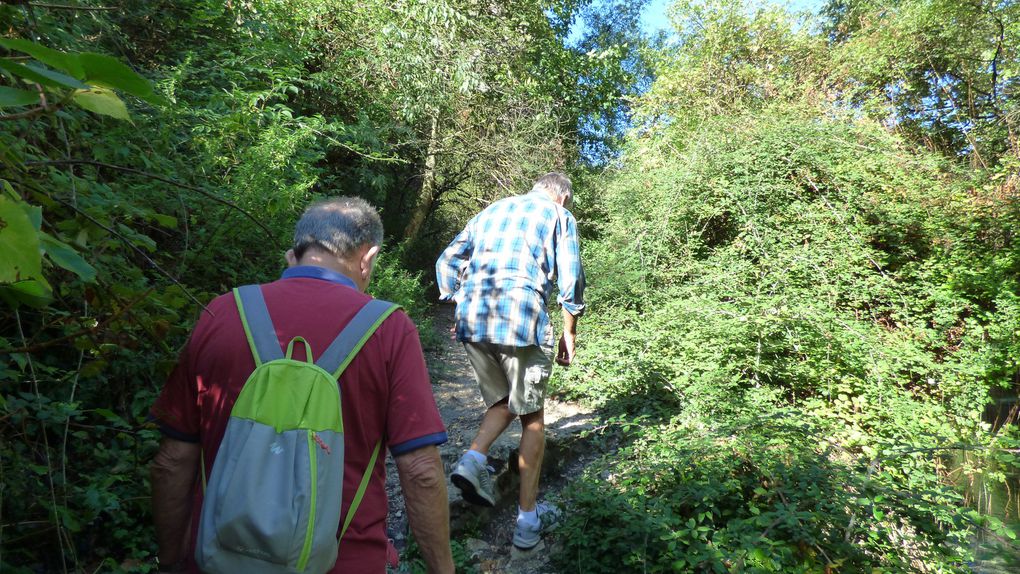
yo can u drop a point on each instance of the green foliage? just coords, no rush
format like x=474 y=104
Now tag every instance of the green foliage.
x=808 y=312
x=412 y=561
x=947 y=70
x=153 y=156
x=770 y=493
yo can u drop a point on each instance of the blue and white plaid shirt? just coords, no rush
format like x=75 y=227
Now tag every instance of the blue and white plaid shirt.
x=500 y=271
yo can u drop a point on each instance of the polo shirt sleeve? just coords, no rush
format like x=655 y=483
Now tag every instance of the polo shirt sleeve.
x=176 y=410
x=412 y=420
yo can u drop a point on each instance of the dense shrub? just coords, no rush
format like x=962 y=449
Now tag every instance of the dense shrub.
x=805 y=311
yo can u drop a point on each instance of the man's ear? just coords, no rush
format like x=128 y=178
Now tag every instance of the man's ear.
x=291 y=258
x=367 y=260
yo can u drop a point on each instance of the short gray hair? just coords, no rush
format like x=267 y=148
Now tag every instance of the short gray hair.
x=554 y=182
x=339 y=225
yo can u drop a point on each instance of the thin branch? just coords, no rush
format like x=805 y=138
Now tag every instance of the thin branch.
x=27 y=113
x=62 y=536
x=26 y=348
x=67 y=7
x=128 y=243
x=198 y=190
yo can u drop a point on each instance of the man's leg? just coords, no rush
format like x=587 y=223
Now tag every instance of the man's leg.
x=529 y=457
x=497 y=418
x=471 y=474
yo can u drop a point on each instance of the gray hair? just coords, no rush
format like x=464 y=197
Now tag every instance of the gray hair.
x=339 y=225
x=554 y=182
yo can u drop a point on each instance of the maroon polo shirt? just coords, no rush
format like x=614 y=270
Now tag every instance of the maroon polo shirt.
x=385 y=392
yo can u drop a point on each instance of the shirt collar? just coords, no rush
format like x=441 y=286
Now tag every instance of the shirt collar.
x=315 y=272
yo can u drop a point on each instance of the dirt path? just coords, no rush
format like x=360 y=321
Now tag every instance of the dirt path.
x=486 y=533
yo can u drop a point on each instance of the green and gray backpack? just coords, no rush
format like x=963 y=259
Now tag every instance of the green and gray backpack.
x=272 y=502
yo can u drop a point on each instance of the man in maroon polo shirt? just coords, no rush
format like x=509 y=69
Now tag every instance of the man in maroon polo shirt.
x=385 y=392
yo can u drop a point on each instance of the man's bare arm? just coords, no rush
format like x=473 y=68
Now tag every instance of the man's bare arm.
x=173 y=474
x=428 y=509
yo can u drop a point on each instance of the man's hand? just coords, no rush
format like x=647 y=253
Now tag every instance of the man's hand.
x=565 y=353
x=428 y=509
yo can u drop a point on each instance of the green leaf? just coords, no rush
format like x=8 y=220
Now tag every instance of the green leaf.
x=92 y=369
x=41 y=75
x=66 y=257
x=20 y=257
x=167 y=221
x=102 y=101
x=53 y=58
x=107 y=414
x=34 y=293
x=15 y=97
x=34 y=213
x=113 y=73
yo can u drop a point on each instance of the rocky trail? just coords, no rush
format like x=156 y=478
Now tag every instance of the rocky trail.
x=484 y=532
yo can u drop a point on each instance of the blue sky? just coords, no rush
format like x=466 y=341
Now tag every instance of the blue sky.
x=654 y=18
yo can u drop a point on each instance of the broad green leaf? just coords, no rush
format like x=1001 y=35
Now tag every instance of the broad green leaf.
x=52 y=58
x=20 y=257
x=15 y=97
x=34 y=213
x=112 y=73
x=102 y=101
x=41 y=75
x=66 y=257
x=34 y=293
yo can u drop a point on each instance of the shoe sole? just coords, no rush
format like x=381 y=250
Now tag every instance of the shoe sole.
x=518 y=552
x=527 y=548
x=469 y=493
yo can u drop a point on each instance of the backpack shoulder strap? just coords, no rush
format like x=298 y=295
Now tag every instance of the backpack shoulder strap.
x=258 y=327
x=362 y=487
x=342 y=350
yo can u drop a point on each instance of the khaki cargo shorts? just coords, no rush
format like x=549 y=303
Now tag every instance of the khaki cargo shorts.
x=520 y=373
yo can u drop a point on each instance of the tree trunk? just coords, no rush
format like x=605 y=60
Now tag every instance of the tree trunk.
x=427 y=197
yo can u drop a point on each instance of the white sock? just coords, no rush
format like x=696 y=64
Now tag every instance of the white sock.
x=481 y=458
x=529 y=517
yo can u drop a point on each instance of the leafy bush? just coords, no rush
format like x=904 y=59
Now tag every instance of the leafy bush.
x=767 y=493
x=810 y=316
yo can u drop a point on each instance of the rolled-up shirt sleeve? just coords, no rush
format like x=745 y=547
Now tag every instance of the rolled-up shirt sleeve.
x=451 y=263
x=569 y=272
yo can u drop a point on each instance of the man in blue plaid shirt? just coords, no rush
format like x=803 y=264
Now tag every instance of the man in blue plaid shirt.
x=500 y=271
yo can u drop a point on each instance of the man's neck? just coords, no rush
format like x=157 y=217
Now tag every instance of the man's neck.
x=329 y=262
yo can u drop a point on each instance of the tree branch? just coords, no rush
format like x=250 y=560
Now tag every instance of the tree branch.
x=40 y=346
x=68 y=7
x=198 y=190
x=126 y=242
x=28 y=113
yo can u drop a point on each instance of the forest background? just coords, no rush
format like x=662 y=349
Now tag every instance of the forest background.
x=799 y=232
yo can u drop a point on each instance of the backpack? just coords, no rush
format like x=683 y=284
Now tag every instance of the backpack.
x=272 y=502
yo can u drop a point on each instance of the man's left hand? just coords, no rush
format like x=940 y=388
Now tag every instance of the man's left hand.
x=565 y=353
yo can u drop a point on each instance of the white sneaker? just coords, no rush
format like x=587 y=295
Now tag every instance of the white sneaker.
x=474 y=481
x=526 y=535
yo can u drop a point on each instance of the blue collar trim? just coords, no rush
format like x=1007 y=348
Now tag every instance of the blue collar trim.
x=314 y=272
